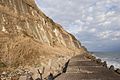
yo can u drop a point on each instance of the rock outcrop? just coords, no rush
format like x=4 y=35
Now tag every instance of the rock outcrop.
x=29 y=37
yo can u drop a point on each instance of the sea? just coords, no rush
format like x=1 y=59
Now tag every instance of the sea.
x=112 y=58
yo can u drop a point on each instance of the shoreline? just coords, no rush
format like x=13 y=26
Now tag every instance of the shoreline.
x=104 y=63
x=87 y=67
x=109 y=61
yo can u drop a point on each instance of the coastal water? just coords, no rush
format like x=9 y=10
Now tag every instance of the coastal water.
x=112 y=58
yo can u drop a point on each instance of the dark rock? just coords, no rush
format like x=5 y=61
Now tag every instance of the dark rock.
x=98 y=61
x=104 y=64
x=93 y=58
x=111 y=68
x=118 y=71
x=50 y=77
x=65 y=66
x=90 y=56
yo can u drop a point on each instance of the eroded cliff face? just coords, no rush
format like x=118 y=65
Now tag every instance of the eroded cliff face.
x=22 y=15
x=28 y=36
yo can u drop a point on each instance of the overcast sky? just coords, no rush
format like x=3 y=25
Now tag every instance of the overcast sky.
x=96 y=23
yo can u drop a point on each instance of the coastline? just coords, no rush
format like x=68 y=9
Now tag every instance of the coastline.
x=87 y=67
x=109 y=57
x=83 y=58
x=99 y=60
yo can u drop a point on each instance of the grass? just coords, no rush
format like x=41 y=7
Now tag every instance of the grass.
x=2 y=65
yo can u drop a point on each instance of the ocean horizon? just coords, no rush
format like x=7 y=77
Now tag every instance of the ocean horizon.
x=112 y=58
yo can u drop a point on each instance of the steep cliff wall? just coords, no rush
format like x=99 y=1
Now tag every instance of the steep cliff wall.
x=27 y=34
x=23 y=15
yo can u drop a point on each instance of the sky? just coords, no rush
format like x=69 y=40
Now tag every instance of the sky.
x=95 y=23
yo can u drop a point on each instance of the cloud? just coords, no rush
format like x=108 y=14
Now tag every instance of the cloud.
x=92 y=30
x=89 y=18
x=105 y=23
x=96 y=23
x=104 y=35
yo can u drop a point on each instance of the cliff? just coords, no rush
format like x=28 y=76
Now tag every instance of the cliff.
x=29 y=37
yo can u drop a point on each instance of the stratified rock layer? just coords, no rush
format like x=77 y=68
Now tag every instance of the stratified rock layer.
x=22 y=16
x=29 y=37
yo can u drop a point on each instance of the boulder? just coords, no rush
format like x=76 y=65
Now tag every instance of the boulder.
x=111 y=68
x=98 y=61
x=104 y=64
x=93 y=58
x=118 y=71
